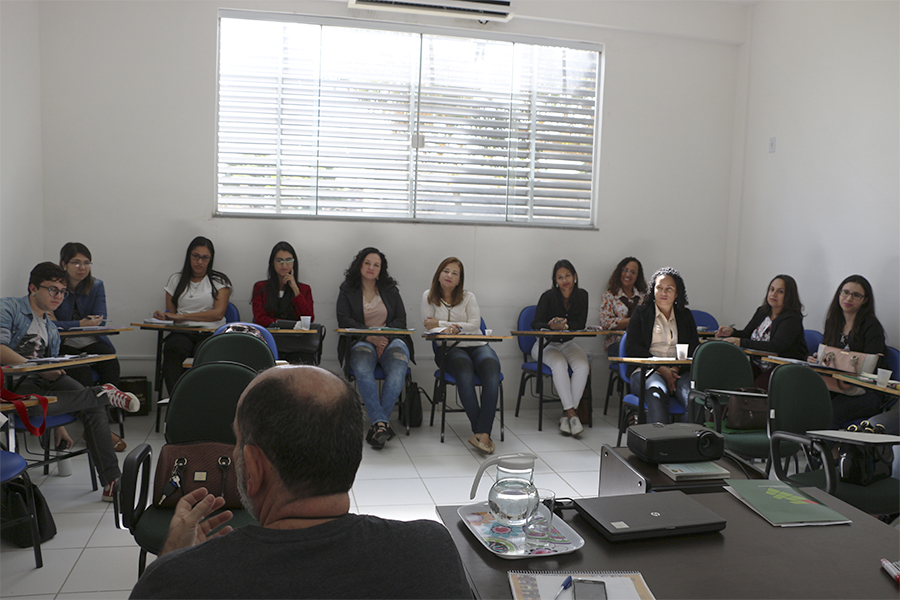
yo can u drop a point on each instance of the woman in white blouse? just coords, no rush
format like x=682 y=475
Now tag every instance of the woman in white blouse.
x=198 y=295
x=449 y=308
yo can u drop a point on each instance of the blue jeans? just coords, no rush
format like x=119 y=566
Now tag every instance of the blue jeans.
x=464 y=364
x=394 y=361
x=657 y=396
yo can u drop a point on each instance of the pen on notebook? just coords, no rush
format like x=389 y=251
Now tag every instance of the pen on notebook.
x=893 y=569
x=567 y=583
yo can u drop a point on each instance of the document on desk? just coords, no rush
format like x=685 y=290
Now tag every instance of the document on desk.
x=783 y=505
x=545 y=585
x=154 y=321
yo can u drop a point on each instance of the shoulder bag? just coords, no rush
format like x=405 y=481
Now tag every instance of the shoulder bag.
x=17 y=400
x=183 y=468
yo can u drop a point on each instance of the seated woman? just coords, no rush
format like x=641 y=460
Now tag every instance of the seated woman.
x=624 y=291
x=658 y=324
x=777 y=327
x=449 y=308
x=369 y=298
x=281 y=296
x=85 y=306
x=564 y=306
x=198 y=295
x=851 y=324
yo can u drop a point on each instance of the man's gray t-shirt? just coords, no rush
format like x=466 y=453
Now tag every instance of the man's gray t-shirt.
x=354 y=556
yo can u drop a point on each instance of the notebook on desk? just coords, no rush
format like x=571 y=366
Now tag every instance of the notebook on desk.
x=639 y=516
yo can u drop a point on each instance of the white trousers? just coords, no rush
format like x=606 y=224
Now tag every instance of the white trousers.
x=561 y=357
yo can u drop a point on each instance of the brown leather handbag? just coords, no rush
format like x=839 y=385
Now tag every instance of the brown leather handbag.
x=183 y=468
x=747 y=412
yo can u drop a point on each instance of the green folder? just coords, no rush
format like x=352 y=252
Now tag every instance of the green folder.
x=782 y=504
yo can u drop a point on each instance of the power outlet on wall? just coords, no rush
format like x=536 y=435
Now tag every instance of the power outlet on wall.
x=771 y=145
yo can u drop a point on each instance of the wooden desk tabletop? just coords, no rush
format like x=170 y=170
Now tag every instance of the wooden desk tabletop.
x=94 y=331
x=778 y=360
x=9 y=406
x=855 y=380
x=650 y=360
x=466 y=337
x=49 y=366
x=173 y=327
x=563 y=332
x=290 y=331
x=748 y=351
x=375 y=331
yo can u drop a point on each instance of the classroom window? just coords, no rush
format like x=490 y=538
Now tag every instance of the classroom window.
x=343 y=122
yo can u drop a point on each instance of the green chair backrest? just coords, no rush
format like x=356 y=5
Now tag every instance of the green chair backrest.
x=798 y=400
x=203 y=404
x=235 y=347
x=718 y=365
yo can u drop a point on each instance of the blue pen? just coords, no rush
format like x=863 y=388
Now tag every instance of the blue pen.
x=566 y=584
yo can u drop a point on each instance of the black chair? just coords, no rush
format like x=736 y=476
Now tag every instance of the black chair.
x=12 y=466
x=202 y=408
x=237 y=347
x=47 y=459
x=450 y=380
x=799 y=402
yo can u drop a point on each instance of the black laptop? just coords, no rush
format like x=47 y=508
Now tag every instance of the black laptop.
x=639 y=516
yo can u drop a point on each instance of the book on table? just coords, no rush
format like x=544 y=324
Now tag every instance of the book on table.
x=694 y=471
x=782 y=504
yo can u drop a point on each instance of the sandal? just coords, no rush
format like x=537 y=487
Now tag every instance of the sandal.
x=119 y=444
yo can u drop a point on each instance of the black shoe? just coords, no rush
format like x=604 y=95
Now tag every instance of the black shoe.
x=379 y=436
x=391 y=433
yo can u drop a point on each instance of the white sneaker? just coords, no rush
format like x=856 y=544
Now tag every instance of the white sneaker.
x=564 y=425
x=116 y=397
x=575 y=425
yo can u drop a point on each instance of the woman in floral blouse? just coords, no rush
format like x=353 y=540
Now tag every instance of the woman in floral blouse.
x=625 y=290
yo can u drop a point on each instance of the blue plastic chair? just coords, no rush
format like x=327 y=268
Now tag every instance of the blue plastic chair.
x=893 y=361
x=813 y=339
x=631 y=402
x=267 y=335
x=529 y=366
x=450 y=380
x=704 y=319
x=53 y=421
x=11 y=466
x=232 y=314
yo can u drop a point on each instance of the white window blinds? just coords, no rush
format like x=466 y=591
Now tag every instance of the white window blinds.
x=346 y=122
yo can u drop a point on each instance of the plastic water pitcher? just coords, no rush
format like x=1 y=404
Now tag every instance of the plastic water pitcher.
x=513 y=496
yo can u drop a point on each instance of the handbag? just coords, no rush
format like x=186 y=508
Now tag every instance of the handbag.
x=847 y=360
x=747 y=412
x=864 y=465
x=414 y=404
x=14 y=506
x=17 y=400
x=183 y=468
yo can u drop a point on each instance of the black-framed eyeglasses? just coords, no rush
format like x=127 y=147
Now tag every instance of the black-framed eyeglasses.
x=55 y=291
x=854 y=295
x=201 y=258
x=284 y=261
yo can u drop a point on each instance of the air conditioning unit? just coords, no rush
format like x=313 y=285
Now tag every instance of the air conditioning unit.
x=481 y=10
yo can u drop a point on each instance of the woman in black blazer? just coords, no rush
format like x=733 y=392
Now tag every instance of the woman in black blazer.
x=369 y=298
x=657 y=325
x=777 y=326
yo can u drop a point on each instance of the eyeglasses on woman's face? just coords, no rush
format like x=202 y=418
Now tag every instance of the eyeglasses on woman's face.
x=204 y=258
x=284 y=261
x=845 y=293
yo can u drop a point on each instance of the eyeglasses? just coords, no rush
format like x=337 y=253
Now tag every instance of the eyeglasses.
x=80 y=265
x=284 y=261
x=199 y=258
x=629 y=272
x=55 y=291
x=854 y=295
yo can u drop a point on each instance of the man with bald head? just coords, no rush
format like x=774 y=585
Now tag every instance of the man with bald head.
x=299 y=433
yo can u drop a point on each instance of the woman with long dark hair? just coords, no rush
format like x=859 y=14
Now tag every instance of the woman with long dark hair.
x=564 y=306
x=369 y=298
x=658 y=324
x=198 y=295
x=624 y=291
x=851 y=324
x=777 y=327
x=447 y=307
x=282 y=296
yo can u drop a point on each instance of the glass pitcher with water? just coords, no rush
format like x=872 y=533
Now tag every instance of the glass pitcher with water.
x=513 y=496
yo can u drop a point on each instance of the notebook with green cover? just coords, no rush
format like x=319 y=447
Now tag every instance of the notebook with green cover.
x=782 y=504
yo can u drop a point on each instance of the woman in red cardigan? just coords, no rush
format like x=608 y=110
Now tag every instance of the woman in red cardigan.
x=281 y=296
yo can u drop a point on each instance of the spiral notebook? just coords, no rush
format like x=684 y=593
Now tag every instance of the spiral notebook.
x=544 y=585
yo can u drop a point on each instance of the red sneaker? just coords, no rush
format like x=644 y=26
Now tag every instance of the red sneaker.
x=124 y=400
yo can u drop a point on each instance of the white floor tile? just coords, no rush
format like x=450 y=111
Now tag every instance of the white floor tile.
x=103 y=570
x=20 y=578
x=447 y=466
x=585 y=483
x=388 y=492
x=572 y=460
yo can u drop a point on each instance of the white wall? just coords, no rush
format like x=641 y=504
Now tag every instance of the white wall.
x=21 y=194
x=128 y=117
x=825 y=82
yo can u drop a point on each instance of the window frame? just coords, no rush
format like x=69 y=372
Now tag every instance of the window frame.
x=420 y=29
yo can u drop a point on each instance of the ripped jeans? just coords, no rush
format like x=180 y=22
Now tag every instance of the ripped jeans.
x=394 y=361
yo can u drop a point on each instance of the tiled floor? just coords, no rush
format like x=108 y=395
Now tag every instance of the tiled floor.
x=90 y=558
